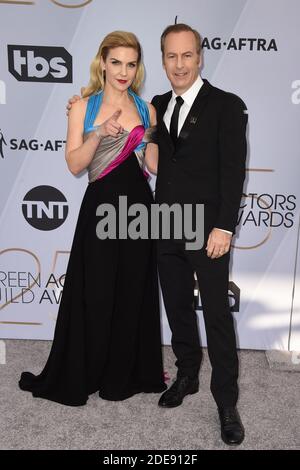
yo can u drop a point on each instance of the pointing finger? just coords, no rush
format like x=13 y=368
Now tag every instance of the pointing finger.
x=116 y=115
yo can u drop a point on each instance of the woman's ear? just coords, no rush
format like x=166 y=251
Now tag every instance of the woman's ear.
x=102 y=63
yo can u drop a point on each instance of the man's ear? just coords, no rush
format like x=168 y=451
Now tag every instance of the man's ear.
x=163 y=62
x=200 y=60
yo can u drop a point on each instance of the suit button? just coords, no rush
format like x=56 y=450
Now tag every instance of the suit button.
x=174 y=159
x=168 y=182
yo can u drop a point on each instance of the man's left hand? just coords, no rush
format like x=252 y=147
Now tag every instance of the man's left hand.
x=218 y=243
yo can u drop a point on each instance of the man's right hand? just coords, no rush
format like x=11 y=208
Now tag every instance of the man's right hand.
x=71 y=101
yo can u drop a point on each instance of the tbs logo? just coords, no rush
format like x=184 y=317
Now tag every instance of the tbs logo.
x=40 y=64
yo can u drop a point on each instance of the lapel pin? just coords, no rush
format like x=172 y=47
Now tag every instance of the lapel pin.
x=193 y=119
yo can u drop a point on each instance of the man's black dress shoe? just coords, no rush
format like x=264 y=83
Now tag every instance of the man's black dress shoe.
x=179 y=389
x=232 y=429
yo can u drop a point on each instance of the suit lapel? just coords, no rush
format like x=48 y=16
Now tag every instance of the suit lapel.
x=193 y=118
x=160 y=118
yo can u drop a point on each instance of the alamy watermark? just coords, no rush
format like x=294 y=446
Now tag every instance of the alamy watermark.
x=176 y=221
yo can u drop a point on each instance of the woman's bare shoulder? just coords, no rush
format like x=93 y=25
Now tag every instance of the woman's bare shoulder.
x=82 y=102
x=79 y=107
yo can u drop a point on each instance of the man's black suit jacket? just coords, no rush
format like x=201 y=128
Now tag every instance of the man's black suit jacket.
x=207 y=165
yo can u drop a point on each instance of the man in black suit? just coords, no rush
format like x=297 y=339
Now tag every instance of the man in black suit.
x=202 y=152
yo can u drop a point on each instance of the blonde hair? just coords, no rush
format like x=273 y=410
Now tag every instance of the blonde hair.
x=112 y=40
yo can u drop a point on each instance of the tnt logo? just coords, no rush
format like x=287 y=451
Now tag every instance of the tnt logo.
x=40 y=64
x=45 y=208
x=2 y=92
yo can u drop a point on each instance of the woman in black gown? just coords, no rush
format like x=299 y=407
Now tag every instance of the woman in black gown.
x=107 y=334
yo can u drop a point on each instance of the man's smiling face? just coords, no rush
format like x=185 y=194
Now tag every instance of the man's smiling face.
x=181 y=60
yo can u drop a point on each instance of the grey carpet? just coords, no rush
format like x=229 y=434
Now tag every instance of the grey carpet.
x=269 y=406
x=284 y=360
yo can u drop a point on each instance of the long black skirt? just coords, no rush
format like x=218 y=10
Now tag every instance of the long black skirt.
x=107 y=336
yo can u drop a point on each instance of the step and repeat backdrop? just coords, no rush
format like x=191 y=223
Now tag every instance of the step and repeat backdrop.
x=250 y=48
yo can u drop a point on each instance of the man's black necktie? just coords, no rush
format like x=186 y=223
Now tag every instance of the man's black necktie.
x=174 y=119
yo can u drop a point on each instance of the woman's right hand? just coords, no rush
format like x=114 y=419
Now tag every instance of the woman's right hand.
x=110 y=127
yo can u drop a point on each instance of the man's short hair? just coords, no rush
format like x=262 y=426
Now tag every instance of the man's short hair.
x=178 y=28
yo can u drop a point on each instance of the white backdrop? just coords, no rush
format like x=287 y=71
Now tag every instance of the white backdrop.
x=251 y=48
